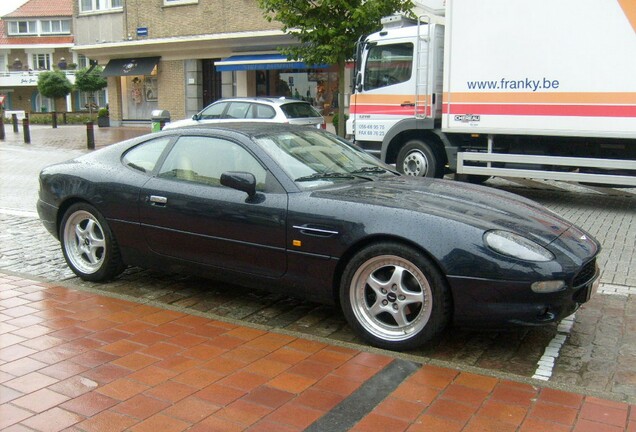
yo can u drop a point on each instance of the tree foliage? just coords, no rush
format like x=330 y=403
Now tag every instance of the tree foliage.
x=90 y=81
x=54 y=85
x=328 y=29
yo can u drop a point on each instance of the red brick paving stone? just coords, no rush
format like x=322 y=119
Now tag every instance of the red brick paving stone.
x=319 y=399
x=243 y=354
x=74 y=386
x=512 y=393
x=161 y=423
x=331 y=357
x=191 y=409
x=107 y=421
x=215 y=424
x=486 y=424
x=295 y=415
x=162 y=317
x=337 y=385
x=70 y=333
x=161 y=350
x=89 y=404
x=268 y=426
x=265 y=367
x=135 y=361
x=219 y=394
x=559 y=397
x=375 y=423
x=591 y=426
x=476 y=381
x=451 y=410
x=152 y=375
x=428 y=423
x=198 y=377
x=607 y=403
x=245 y=333
x=553 y=413
x=466 y=395
x=147 y=337
x=121 y=348
x=22 y=366
x=8 y=394
x=171 y=391
x=243 y=412
x=270 y=341
x=122 y=389
x=123 y=317
x=30 y=382
x=293 y=383
x=96 y=325
x=311 y=369
x=417 y=393
x=631 y=426
x=110 y=336
x=306 y=345
x=42 y=342
x=15 y=351
x=92 y=359
x=611 y=415
x=399 y=408
x=4 y=376
x=225 y=342
x=53 y=420
x=106 y=373
x=10 y=414
x=19 y=311
x=503 y=412
x=40 y=400
x=433 y=376
x=537 y=425
x=192 y=321
x=269 y=397
x=141 y=407
x=33 y=331
x=289 y=356
x=61 y=323
x=186 y=340
x=244 y=381
x=203 y=352
x=372 y=360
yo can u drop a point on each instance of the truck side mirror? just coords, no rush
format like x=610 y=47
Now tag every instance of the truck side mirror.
x=359 y=82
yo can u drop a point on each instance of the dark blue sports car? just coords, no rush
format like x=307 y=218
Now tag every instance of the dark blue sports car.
x=298 y=210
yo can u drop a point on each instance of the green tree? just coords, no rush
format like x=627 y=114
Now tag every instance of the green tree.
x=328 y=30
x=90 y=81
x=54 y=85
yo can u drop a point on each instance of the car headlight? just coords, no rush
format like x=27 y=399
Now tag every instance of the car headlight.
x=516 y=246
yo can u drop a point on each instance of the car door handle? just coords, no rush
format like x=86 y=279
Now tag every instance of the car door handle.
x=158 y=201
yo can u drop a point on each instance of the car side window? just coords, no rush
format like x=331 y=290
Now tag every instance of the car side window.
x=144 y=157
x=214 y=111
x=237 y=110
x=260 y=111
x=202 y=160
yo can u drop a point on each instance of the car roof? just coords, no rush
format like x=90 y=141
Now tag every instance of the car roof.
x=270 y=100
x=245 y=128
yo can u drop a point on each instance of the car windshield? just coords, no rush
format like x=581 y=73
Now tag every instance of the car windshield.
x=313 y=158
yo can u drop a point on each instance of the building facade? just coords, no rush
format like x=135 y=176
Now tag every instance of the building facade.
x=38 y=37
x=181 y=55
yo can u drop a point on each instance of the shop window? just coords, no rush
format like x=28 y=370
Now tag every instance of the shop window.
x=388 y=65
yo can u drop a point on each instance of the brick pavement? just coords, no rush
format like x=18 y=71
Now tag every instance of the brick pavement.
x=76 y=360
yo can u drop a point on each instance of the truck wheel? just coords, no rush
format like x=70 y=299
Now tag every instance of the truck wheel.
x=394 y=296
x=89 y=246
x=419 y=159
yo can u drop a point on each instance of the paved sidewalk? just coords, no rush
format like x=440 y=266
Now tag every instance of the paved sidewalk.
x=75 y=360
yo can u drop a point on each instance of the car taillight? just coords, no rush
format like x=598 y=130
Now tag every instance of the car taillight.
x=323 y=125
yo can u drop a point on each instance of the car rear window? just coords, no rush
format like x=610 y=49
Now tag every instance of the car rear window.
x=299 y=110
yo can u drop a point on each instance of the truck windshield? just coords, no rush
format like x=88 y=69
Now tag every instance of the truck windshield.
x=388 y=65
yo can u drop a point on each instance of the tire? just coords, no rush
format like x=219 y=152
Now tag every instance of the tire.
x=88 y=245
x=395 y=297
x=417 y=158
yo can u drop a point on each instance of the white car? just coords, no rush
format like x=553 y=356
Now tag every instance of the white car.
x=255 y=109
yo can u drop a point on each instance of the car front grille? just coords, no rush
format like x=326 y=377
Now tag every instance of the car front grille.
x=585 y=275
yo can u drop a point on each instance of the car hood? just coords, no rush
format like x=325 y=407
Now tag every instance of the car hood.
x=479 y=206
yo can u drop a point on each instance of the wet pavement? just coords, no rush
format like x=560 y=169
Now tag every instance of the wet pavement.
x=595 y=352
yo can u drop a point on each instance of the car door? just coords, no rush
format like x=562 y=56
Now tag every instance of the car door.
x=186 y=214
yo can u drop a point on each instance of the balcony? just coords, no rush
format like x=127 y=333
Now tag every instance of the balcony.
x=27 y=78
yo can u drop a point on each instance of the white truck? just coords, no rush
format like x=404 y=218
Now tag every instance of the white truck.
x=535 y=89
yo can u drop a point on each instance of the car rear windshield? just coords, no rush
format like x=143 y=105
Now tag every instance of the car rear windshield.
x=299 y=110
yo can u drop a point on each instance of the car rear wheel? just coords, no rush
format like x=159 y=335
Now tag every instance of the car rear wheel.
x=418 y=159
x=89 y=247
x=395 y=297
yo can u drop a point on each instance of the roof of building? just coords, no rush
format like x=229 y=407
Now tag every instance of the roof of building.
x=43 y=8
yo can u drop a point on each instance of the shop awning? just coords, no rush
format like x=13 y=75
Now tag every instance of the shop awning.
x=130 y=66
x=260 y=62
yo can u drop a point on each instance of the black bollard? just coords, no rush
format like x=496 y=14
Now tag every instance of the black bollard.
x=54 y=119
x=1 y=126
x=27 y=131
x=90 y=135
x=64 y=119
x=14 y=120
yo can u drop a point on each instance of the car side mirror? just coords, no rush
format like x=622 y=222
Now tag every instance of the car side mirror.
x=240 y=180
x=196 y=117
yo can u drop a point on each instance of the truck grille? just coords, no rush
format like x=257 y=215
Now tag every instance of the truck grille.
x=585 y=275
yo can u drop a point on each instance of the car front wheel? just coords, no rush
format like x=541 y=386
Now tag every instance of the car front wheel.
x=89 y=247
x=395 y=297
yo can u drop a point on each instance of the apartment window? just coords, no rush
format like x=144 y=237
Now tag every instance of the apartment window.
x=56 y=27
x=23 y=27
x=41 y=61
x=99 y=5
x=82 y=61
